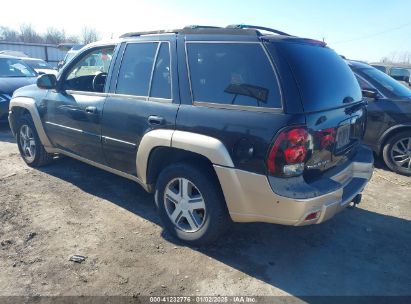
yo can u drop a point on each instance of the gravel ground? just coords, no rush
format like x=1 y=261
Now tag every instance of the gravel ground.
x=49 y=214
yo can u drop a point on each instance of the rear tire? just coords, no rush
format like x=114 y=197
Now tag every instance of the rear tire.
x=191 y=204
x=397 y=153
x=31 y=149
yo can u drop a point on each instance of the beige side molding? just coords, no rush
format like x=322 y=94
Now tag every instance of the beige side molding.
x=207 y=146
x=30 y=105
x=151 y=140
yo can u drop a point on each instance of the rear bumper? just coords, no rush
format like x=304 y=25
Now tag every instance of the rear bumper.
x=250 y=197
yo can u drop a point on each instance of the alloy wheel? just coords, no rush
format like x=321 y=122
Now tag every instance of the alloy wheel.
x=27 y=143
x=401 y=153
x=184 y=204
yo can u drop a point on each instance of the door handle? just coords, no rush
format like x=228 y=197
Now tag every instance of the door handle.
x=155 y=120
x=91 y=110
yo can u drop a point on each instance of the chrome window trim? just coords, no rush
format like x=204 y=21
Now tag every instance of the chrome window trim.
x=87 y=93
x=136 y=97
x=140 y=98
x=250 y=108
x=152 y=70
x=160 y=100
x=236 y=107
x=159 y=42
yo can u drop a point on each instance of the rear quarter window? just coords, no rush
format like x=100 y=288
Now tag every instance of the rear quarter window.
x=323 y=77
x=235 y=74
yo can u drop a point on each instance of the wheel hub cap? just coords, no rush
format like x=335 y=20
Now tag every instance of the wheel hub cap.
x=184 y=205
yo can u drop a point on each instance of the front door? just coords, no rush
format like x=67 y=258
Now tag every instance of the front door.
x=74 y=110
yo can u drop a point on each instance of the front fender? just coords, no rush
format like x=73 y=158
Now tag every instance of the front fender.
x=30 y=105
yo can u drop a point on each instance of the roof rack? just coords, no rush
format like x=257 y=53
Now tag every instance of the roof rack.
x=256 y=27
x=191 y=29
x=158 y=32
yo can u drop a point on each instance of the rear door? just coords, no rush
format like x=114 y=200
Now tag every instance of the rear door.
x=142 y=98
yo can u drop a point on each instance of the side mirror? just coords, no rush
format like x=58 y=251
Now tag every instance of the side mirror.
x=47 y=81
x=370 y=93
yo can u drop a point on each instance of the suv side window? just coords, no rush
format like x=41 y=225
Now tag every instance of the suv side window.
x=136 y=67
x=161 y=83
x=237 y=74
x=81 y=75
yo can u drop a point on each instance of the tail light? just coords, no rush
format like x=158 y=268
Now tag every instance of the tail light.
x=288 y=154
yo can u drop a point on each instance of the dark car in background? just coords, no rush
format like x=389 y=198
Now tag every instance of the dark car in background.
x=389 y=116
x=14 y=74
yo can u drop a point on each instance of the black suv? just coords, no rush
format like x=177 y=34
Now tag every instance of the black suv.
x=389 y=116
x=241 y=123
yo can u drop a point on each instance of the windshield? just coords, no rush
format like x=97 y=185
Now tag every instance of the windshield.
x=37 y=64
x=10 y=67
x=387 y=83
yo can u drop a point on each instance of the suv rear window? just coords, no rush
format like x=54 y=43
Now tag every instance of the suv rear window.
x=238 y=74
x=323 y=77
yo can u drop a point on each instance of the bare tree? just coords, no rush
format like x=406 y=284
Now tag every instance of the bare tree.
x=29 y=34
x=89 y=35
x=9 y=34
x=54 y=36
x=398 y=57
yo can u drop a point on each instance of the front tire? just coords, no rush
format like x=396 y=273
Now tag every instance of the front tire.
x=31 y=149
x=397 y=153
x=191 y=204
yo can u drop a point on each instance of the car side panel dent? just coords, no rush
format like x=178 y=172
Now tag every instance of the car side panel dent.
x=30 y=105
x=207 y=146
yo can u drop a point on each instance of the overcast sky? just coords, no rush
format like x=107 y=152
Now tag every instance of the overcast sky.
x=358 y=29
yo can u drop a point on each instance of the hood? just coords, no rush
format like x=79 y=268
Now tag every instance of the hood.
x=9 y=84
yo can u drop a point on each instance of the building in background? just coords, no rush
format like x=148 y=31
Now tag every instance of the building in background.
x=48 y=52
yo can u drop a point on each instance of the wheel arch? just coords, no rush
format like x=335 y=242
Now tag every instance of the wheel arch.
x=22 y=105
x=391 y=132
x=158 y=148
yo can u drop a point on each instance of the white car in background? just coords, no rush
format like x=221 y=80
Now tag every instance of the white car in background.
x=40 y=66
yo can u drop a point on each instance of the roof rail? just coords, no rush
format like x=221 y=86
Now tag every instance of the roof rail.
x=195 y=26
x=256 y=27
x=158 y=32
